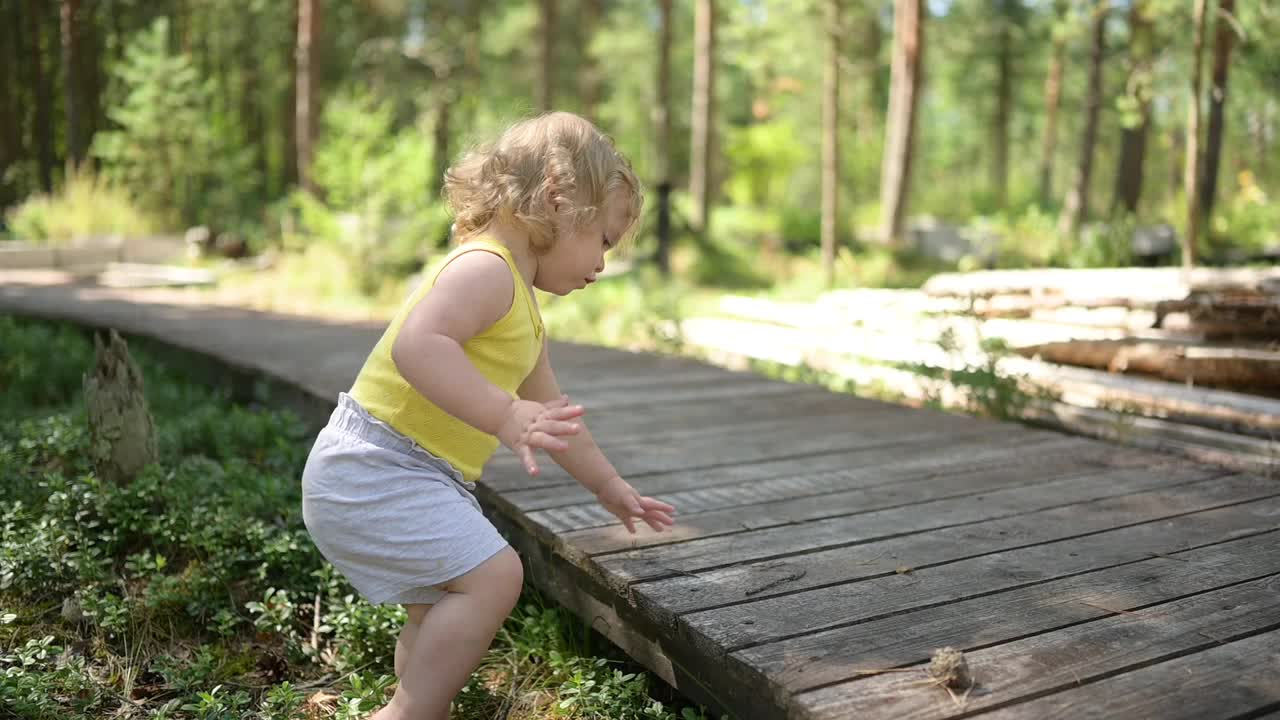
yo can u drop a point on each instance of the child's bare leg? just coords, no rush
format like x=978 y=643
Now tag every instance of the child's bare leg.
x=408 y=633
x=454 y=637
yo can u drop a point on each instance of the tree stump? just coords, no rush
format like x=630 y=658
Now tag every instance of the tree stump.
x=121 y=433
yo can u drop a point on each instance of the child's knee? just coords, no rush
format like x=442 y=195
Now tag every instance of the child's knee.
x=502 y=573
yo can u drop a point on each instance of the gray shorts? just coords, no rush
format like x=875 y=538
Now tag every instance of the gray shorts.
x=390 y=516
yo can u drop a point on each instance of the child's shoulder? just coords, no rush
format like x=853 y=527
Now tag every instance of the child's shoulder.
x=476 y=268
x=473 y=285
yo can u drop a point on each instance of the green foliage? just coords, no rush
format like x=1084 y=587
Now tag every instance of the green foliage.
x=801 y=228
x=173 y=161
x=85 y=206
x=763 y=155
x=987 y=390
x=551 y=642
x=31 y=674
x=1027 y=239
x=40 y=365
x=207 y=133
x=373 y=179
x=1250 y=222
x=882 y=267
x=639 y=314
x=198 y=581
x=1030 y=238
x=1102 y=245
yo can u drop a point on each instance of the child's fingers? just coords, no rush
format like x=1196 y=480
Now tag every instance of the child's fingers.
x=556 y=427
x=657 y=526
x=660 y=516
x=528 y=460
x=539 y=439
x=649 y=503
x=565 y=413
x=560 y=402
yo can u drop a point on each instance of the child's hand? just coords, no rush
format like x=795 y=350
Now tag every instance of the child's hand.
x=530 y=425
x=619 y=498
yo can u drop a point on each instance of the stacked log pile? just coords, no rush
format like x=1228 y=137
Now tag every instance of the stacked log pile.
x=1150 y=357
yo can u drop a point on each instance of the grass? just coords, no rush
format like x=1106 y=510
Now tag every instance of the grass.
x=86 y=206
x=192 y=592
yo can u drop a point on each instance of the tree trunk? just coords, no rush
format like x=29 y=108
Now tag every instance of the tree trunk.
x=10 y=101
x=118 y=34
x=1222 y=44
x=250 y=105
x=1177 y=138
x=904 y=82
x=830 y=139
x=1133 y=140
x=69 y=11
x=1076 y=209
x=287 y=113
x=589 y=75
x=307 y=73
x=662 y=121
x=873 y=85
x=1004 y=102
x=1052 y=99
x=546 y=79
x=1261 y=120
x=440 y=145
x=40 y=84
x=1192 y=235
x=703 y=112
x=89 y=53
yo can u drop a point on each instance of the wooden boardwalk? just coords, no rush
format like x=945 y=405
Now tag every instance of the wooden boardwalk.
x=826 y=545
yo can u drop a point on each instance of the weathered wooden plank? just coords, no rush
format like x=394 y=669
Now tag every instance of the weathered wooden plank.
x=758 y=580
x=680 y=417
x=714 y=446
x=1227 y=680
x=1059 y=660
x=769 y=481
x=326 y=357
x=900 y=506
x=609 y=614
x=578 y=380
x=780 y=617
x=829 y=659
x=931 y=547
x=679 y=389
x=570 y=357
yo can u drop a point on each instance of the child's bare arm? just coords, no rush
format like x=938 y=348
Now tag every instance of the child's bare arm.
x=584 y=460
x=472 y=293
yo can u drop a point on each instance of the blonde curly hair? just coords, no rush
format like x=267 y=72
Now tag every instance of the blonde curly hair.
x=558 y=158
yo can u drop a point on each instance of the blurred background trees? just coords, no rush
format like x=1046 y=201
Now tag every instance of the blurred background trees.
x=1037 y=127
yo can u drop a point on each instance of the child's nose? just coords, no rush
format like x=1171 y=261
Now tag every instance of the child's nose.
x=600 y=265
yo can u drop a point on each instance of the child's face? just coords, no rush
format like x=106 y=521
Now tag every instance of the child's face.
x=578 y=256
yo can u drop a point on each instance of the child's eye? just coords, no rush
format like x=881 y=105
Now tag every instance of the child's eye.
x=606 y=241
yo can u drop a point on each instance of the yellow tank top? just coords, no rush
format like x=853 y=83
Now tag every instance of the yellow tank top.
x=505 y=353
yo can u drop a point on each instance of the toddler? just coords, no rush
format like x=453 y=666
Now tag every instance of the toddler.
x=388 y=489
